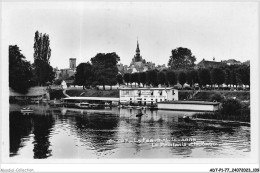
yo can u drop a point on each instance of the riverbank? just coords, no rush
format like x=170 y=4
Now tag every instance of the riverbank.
x=208 y=95
x=92 y=93
x=183 y=94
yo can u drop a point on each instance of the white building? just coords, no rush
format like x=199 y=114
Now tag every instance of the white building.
x=147 y=96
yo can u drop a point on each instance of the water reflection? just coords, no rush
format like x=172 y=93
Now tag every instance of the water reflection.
x=20 y=127
x=42 y=126
x=75 y=133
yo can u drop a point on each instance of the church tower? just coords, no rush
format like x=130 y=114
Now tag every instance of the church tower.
x=137 y=56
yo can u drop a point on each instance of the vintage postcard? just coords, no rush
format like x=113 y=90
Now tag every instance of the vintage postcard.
x=130 y=82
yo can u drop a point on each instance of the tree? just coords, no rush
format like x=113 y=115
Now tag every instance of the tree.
x=161 y=78
x=217 y=76
x=43 y=72
x=142 y=78
x=243 y=74
x=182 y=78
x=204 y=77
x=192 y=77
x=105 y=68
x=148 y=78
x=171 y=77
x=84 y=75
x=153 y=79
x=131 y=79
x=231 y=107
x=233 y=77
x=127 y=78
x=20 y=71
x=119 y=79
x=181 y=58
x=136 y=79
x=227 y=77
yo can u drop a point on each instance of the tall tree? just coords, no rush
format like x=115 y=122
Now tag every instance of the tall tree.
x=136 y=79
x=217 y=76
x=233 y=77
x=42 y=52
x=182 y=78
x=161 y=78
x=171 y=77
x=227 y=77
x=105 y=68
x=153 y=77
x=243 y=74
x=181 y=58
x=119 y=79
x=20 y=71
x=192 y=77
x=127 y=78
x=142 y=78
x=204 y=77
x=84 y=75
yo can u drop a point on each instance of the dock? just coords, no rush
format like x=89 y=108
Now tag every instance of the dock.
x=200 y=106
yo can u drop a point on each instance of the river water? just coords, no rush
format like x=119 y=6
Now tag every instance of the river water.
x=66 y=133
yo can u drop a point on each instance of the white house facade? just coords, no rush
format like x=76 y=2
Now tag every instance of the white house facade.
x=147 y=96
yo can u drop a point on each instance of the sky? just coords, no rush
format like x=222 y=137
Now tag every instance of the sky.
x=224 y=30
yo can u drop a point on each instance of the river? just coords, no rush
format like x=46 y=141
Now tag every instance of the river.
x=65 y=133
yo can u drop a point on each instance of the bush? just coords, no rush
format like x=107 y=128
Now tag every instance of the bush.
x=57 y=82
x=216 y=97
x=231 y=107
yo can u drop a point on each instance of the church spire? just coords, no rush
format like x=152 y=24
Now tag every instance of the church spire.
x=137 y=48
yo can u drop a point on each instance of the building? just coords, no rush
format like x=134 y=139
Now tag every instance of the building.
x=138 y=64
x=66 y=72
x=146 y=96
x=232 y=62
x=73 y=64
x=208 y=64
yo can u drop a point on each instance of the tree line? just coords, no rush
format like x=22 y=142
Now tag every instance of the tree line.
x=23 y=74
x=234 y=75
x=101 y=70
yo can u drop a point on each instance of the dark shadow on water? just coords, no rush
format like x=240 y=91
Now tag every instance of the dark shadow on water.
x=42 y=128
x=20 y=127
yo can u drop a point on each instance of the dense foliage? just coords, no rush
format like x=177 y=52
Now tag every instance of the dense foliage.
x=234 y=75
x=181 y=58
x=20 y=71
x=43 y=71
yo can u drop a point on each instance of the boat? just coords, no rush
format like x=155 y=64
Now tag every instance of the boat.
x=186 y=118
x=139 y=114
x=84 y=105
x=26 y=110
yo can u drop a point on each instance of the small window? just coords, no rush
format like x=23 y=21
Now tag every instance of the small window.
x=173 y=92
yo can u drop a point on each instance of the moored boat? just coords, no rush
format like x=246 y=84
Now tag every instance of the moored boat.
x=26 y=109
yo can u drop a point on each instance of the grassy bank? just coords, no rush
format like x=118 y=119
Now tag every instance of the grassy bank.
x=230 y=109
x=92 y=93
x=207 y=95
x=244 y=116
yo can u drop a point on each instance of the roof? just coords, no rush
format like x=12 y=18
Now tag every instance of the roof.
x=93 y=98
x=190 y=102
x=209 y=63
x=146 y=89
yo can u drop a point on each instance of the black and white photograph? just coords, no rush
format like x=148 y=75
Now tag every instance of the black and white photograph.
x=130 y=82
